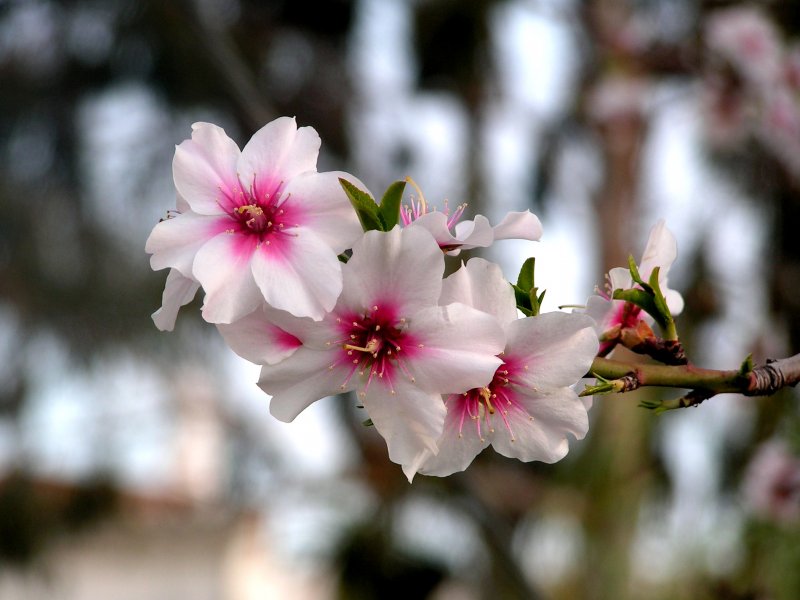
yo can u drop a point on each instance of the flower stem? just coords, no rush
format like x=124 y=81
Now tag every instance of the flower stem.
x=619 y=376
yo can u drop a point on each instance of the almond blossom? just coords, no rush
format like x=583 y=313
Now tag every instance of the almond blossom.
x=454 y=235
x=254 y=225
x=528 y=408
x=389 y=339
x=611 y=315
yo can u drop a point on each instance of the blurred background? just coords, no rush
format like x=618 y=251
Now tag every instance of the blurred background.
x=139 y=464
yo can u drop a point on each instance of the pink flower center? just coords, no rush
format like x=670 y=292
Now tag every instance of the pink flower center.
x=413 y=211
x=484 y=405
x=377 y=344
x=265 y=216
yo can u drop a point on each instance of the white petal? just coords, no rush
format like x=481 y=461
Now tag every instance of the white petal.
x=544 y=437
x=410 y=420
x=278 y=152
x=661 y=251
x=178 y=291
x=435 y=223
x=674 y=301
x=459 y=348
x=299 y=274
x=601 y=312
x=481 y=285
x=222 y=266
x=620 y=278
x=458 y=446
x=181 y=204
x=402 y=267
x=266 y=336
x=204 y=166
x=300 y=380
x=558 y=348
x=475 y=234
x=519 y=226
x=324 y=207
x=174 y=242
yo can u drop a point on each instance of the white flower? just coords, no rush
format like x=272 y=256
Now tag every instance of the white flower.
x=528 y=408
x=389 y=339
x=454 y=235
x=256 y=225
x=661 y=251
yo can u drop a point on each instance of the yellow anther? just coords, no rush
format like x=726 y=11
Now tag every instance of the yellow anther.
x=486 y=396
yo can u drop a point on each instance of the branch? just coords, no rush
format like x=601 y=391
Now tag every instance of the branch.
x=618 y=377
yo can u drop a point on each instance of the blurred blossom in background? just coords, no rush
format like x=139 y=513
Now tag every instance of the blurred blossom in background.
x=138 y=464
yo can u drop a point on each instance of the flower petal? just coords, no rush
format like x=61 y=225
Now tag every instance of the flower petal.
x=301 y=274
x=557 y=348
x=278 y=152
x=619 y=278
x=222 y=266
x=265 y=336
x=475 y=234
x=410 y=421
x=402 y=267
x=458 y=348
x=178 y=291
x=519 y=226
x=661 y=250
x=324 y=207
x=204 y=166
x=174 y=242
x=458 y=446
x=481 y=285
x=674 y=301
x=544 y=437
x=435 y=223
x=300 y=380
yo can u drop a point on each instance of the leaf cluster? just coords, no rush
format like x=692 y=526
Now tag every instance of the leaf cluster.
x=371 y=215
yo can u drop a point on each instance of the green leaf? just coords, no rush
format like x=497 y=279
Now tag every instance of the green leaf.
x=635 y=273
x=529 y=300
x=390 y=204
x=539 y=298
x=640 y=298
x=523 y=299
x=601 y=386
x=364 y=205
x=525 y=280
x=658 y=296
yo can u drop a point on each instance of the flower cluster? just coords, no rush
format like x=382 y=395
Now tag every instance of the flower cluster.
x=331 y=292
x=619 y=321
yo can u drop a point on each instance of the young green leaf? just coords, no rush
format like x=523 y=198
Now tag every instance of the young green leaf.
x=525 y=279
x=364 y=205
x=635 y=273
x=529 y=300
x=390 y=204
x=642 y=299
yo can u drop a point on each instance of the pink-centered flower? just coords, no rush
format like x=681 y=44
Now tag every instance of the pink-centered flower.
x=528 y=408
x=454 y=235
x=256 y=225
x=390 y=340
x=661 y=251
